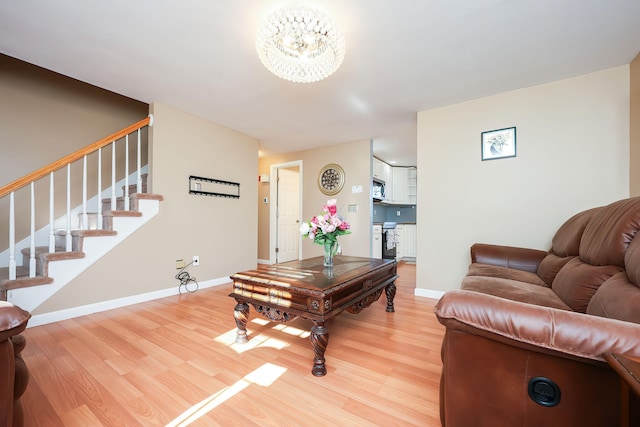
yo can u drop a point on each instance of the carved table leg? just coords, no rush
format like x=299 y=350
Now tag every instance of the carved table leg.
x=319 y=341
x=390 y=290
x=241 y=314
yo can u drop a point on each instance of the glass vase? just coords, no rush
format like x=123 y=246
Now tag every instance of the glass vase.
x=330 y=249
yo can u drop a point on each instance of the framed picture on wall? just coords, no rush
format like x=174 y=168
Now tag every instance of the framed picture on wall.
x=499 y=143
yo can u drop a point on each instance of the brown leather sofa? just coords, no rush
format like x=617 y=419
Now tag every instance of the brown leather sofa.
x=14 y=375
x=526 y=333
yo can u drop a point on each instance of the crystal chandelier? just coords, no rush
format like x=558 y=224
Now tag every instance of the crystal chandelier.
x=300 y=44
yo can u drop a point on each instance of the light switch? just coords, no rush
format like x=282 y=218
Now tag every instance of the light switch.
x=356 y=189
x=352 y=208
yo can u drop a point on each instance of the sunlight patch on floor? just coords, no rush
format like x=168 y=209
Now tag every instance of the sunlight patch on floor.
x=292 y=331
x=255 y=341
x=262 y=340
x=264 y=376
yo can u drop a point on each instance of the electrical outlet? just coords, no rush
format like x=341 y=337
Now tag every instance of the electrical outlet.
x=196 y=260
x=179 y=264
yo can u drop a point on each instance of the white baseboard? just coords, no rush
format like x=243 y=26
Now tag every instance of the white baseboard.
x=428 y=293
x=70 y=313
x=264 y=261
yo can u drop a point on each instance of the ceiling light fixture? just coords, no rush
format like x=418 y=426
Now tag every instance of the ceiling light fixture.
x=300 y=44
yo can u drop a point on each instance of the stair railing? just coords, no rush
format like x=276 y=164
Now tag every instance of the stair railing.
x=40 y=174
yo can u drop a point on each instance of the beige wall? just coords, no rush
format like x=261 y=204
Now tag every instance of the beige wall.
x=634 y=128
x=355 y=159
x=45 y=116
x=572 y=154
x=221 y=231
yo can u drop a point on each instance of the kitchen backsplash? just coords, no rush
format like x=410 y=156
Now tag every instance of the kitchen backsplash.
x=402 y=214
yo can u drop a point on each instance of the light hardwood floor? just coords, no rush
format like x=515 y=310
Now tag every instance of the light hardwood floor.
x=174 y=362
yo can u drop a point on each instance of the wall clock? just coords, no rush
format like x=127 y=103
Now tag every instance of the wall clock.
x=331 y=179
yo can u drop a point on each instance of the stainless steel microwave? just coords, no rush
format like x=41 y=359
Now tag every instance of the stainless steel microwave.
x=378 y=191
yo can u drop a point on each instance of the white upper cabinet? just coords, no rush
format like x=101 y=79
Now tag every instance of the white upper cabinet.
x=383 y=171
x=400 y=180
x=405 y=185
x=412 y=186
x=378 y=169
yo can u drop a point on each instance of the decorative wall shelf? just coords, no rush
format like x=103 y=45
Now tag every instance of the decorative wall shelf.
x=213 y=187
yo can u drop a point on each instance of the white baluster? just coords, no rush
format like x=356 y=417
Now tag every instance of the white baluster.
x=126 y=173
x=68 y=236
x=85 y=217
x=32 y=246
x=12 y=237
x=52 y=231
x=113 y=176
x=99 y=189
x=138 y=155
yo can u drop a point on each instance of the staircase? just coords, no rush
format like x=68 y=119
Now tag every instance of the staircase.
x=53 y=256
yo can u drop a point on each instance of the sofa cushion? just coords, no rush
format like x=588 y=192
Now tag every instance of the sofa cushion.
x=477 y=269
x=607 y=235
x=550 y=266
x=632 y=261
x=578 y=281
x=514 y=290
x=566 y=241
x=617 y=298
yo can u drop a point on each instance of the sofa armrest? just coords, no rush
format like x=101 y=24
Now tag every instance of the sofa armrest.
x=13 y=320
x=507 y=256
x=526 y=325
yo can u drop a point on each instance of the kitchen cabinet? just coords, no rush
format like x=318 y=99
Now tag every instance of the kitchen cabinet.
x=400 y=186
x=376 y=247
x=383 y=171
x=412 y=186
x=400 y=235
x=405 y=186
x=380 y=169
x=410 y=240
x=401 y=183
x=387 y=174
x=406 y=239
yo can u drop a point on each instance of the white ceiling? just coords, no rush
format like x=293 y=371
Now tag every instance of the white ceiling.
x=402 y=56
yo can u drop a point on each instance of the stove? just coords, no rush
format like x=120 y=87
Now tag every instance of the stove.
x=389 y=240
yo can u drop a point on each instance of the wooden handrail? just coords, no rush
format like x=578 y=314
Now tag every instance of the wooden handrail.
x=54 y=166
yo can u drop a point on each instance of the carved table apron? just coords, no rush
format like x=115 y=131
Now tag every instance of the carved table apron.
x=305 y=288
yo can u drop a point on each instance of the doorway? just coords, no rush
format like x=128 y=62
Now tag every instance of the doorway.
x=285 y=213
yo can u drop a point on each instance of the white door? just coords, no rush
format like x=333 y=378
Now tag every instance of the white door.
x=288 y=215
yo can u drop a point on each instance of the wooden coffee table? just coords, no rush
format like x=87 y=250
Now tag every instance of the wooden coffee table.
x=306 y=289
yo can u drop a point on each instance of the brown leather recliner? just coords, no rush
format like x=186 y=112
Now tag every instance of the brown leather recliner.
x=14 y=375
x=526 y=333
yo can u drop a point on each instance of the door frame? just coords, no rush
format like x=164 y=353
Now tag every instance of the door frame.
x=273 y=194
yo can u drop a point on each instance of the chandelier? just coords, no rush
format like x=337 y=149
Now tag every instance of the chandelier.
x=300 y=44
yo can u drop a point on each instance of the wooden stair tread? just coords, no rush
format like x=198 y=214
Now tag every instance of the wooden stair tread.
x=147 y=196
x=59 y=256
x=24 y=282
x=43 y=252
x=93 y=233
x=123 y=213
x=86 y=233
